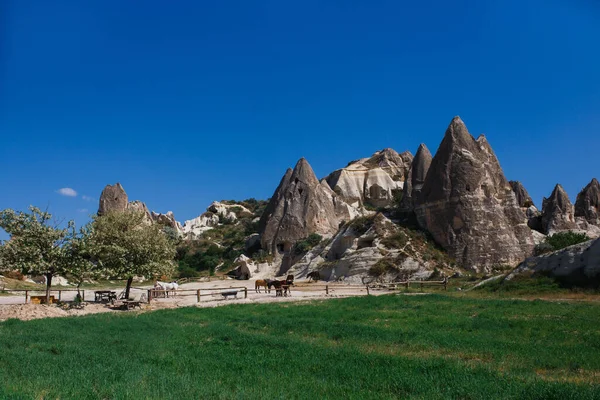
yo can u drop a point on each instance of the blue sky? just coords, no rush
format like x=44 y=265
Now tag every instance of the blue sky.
x=189 y=102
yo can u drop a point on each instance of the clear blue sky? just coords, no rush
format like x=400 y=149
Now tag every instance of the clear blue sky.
x=189 y=102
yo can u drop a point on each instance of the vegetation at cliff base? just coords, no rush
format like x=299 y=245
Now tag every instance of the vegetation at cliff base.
x=385 y=347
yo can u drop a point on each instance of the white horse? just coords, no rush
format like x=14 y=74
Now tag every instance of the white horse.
x=167 y=287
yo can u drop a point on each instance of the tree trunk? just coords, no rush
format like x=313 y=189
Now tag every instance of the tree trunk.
x=78 y=298
x=128 y=287
x=48 y=286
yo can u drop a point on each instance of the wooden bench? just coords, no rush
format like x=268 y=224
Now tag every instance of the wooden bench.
x=230 y=293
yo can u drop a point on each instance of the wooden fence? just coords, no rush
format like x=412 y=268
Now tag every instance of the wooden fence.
x=30 y=292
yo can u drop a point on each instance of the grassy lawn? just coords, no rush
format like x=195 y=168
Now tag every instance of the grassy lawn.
x=425 y=347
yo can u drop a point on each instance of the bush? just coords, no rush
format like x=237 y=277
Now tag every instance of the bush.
x=565 y=239
x=382 y=266
x=304 y=245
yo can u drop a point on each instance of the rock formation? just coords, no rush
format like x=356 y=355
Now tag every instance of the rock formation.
x=523 y=198
x=113 y=198
x=557 y=212
x=197 y=226
x=167 y=219
x=587 y=205
x=301 y=205
x=575 y=265
x=416 y=177
x=468 y=206
x=372 y=180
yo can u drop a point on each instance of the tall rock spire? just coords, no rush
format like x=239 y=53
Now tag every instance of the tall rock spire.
x=301 y=205
x=587 y=204
x=557 y=212
x=416 y=176
x=468 y=206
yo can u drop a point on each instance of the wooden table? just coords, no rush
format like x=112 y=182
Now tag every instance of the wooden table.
x=105 y=296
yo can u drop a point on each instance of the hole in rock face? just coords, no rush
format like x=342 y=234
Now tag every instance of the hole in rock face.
x=300 y=191
x=296 y=180
x=468 y=188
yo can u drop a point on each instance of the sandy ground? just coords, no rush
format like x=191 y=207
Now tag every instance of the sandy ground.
x=14 y=307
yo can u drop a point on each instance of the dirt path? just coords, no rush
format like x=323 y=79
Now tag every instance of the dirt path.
x=187 y=296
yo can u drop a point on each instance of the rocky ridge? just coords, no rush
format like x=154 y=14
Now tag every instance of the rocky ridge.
x=371 y=181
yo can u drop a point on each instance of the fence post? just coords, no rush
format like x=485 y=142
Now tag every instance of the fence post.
x=326 y=289
x=149 y=295
x=367 y=290
x=407 y=283
x=83 y=295
x=445 y=284
x=421 y=286
x=26 y=292
x=60 y=295
x=198 y=295
x=245 y=292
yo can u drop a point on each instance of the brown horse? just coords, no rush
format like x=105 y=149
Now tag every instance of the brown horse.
x=282 y=288
x=262 y=283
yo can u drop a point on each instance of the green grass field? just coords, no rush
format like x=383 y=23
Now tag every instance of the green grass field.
x=427 y=347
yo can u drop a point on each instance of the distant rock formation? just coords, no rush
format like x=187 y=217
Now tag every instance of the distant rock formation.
x=167 y=219
x=468 y=206
x=587 y=205
x=372 y=180
x=557 y=212
x=301 y=205
x=215 y=213
x=113 y=198
x=577 y=265
x=416 y=177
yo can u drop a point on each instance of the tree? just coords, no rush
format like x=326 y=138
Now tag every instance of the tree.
x=126 y=245
x=77 y=260
x=36 y=245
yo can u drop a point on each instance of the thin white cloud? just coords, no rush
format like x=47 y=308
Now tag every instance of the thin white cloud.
x=82 y=210
x=87 y=198
x=67 y=192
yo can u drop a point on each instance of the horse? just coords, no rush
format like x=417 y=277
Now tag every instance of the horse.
x=262 y=283
x=172 y=286
x=290 y=279
x=315 y=276
x=282 y=288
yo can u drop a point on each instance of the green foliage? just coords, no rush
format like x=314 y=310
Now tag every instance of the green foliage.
x=39 y=247
x=372 y=347
x=126 y=246
x=304 y=245
x=561 y=240
x=382 y=267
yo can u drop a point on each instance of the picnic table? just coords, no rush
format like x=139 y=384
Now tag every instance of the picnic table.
x=105 y=296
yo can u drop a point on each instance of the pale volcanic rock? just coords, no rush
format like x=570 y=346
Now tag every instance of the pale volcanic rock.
x=416 y=176
x=301 y=205
x=558 y=212
x=575 y=265
x=167 y=219
x=372 y=180
x=197 y=226
x=468 y=206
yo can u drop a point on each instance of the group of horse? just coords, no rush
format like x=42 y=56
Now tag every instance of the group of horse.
x=282 y=288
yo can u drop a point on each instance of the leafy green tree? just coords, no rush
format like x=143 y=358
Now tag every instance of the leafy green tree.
x=77 y=260
x=37 y=246
x=125 y=245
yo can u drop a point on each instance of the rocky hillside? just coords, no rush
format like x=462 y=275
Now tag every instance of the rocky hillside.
x=388 y=216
